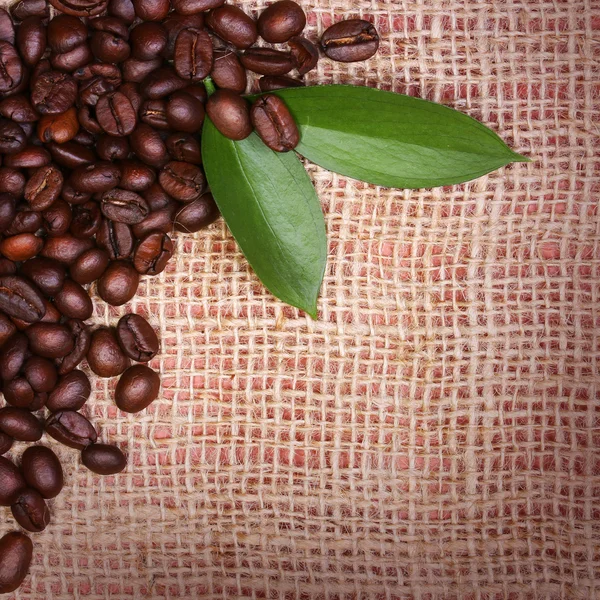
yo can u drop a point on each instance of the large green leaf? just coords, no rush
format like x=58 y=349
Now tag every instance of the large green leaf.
x=392 y=140
x=272 y=210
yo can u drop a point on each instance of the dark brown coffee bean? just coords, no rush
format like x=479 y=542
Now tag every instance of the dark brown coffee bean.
x=16 y=550
x=87 y=219
x=65 y=248
x=6 y=443
x=103 y=459
x=154 y=113
x=8 y=212
x=123 y=206
x=91 y=90
x=47 y=274
x=73 y=301
x=105 y=356
x=18 y=392
x=71 y=393
x=12 y=182
x=304 y=54
x=57 y=218
x=11 y=67
x=42 y=471
x=53 y=92
x=82 y=336
x=87 y=119
x=112 y=148
x=350 y=41
x=89 y=266
x=280 y=21
x=270 y=83
x=162 y=82
x=12 y=137
x=30 y=511
x=123 y=9
x=71 y=154
x=182 y=181
x=184 y=147
x=108 y=47
x=185 y=113
x=72 y=60
x=11 y=485
x=51 y=340
x=137 y=338
x=151 y=10
x=227 y=71
x=116 y=239
x=192 y=7
x=274 y=123
x=193 y=57
x=7 y=29
x=153 y=253
x=138 y=387
x=99 y=177
x=159 y=220
x=31 y=40
x=110 y=24
x=43 y=187
x=20 y=424
x=52 y=314
x=7 y=267
x=233 y=25
x=230 y=114
x=174 y=24
x=18 y=109
x=71 y=429
x=118 y=283
x=148 y=146
x=136 y=176
x=110 y=72
x=58 y=128
x=267 y=61
x=135 y=70
x=21 y=299
x=157 y=198
x=115 y=114
x=197 y=214
x=12 y=356
x=73 y=196
x=31 y=157
x=148 y=40
x=30 y=8
x=40 y=373
x=21 y=247
x=66 y=32
x=80 y=8
x=7 y=328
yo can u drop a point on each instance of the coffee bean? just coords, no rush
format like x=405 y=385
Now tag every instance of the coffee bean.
x=274 y=123
x=148 y=40
x=52 y=313
x=280 y=21
x=73 y=301
x=153 y=253
x=116 y=239
x=197 y=214
x=184 y=147
x=267 y=61
x=51 y=340
x=157 y=198
x=87 y=119
x=7 y=29
x=25 y=221
x=80 y=8
x=99 y=177
x=115 y=114
x=151 y=10
x=65 y=249
x=138 y=387
x=29 y=8
x=21 y=247
x=149 y=146
x=137 y=338
x=71 y=393
x=57 y=218
x=16 y=551
x=233 y=25
x=108 y=47
x=31 y=157
x=59 y=128
x=71 y=155
x=82 y=336
x=136 y=176
x=42 y=471
x=12 y=137
x=30 y=511
x=18 y=109
x=185 y=112
x=159 y=220
x=304 y=54
x=112 y=148
x=105 y=356
x=11 y=484
x=154 y=113
x=227 y=71
x=103 y=459
x=110 y=72
x=87 y=219
x=123 y=206
x=135 y=70
x=31 y=40
x=174 y=24
x=72 y=60
x=7 y=267
x=270 y=83
x=11 y=67
x=161 y=83
x=12 y=356
x=193 y=57
x=118 y=283
x=8 y=212
x=73 y=196
x=19 y=393
x=89 y=266
x=91 y=90
x=66 y=32
x=53 y=92
x=6 y=443
x=123 y=9
x=21 y=299
x=47 y=274
x=20 y=424
x=71 y=429
x=230 y=114
x=43 y=187
x=350 y=41
x=192 y=7
x=40 y=373
x=11 y=182
x=182 y=181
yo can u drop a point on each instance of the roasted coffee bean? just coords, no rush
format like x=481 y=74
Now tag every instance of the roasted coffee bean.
x=91 y=90
x=193 y=57
x=42 y=471
x=116 y=239
x=105 y=356
x=71 y=393
x=11 y=67
x=138 y=387
x=40 y=373
x=110 y=72
x=161 y=83
x=12 y=356
x=66 y=32
x=153 y=253
x=58 y=128
x=73 y=196
x=123 y=9
x=185 y=112
x=51 y=340
x=21 y=299
x=20 y=424
x=280 y=21
x=118 y=283
x=131 y=90
x=233 y=25
x=148 y=146
x=87 y=119
x=73 y=301
x=115 y=114
x=72 y=60
x=31 y=157
x=99 y=177
x=53 y=92
x=274 y=123
x=18 y=392
x=11 y=182
x=7 y=267
x=350 y=41
x=31 y=40
x=227 y=71
x=103 y=459
x=7 y=29
x=184 y=147
x=270 y=83
x=7 y=328
x=136 y=176
x=154 y=113
x=230 y=114
x=44 y=187
x=112 y=148
x=174 y=24
x=87 y=219
x=12 y=137
x=80 y=8
x=65 y=248
x=52 y=314
x=110 y=24
x=156 y=197
x=123 y=206
x=71 y=154
x=21 y=247
x=16 y=550
x=30 y=511
x=148 y=40
x=192 y=7
x=47 y=274
x=267 y=61
x=197 y=214
x=137 y=338
x=182 y=181
x=6 y=443
x=82 y=336
x=30 y=8
x=159 y=220
x=57 y=218
x=8 y=212
x=151 y=10
x=18 y=109
x=71 y=429
x=11 y=485
x=108 y=47
x=135 y=70
x=304 y=54
x=89 y=266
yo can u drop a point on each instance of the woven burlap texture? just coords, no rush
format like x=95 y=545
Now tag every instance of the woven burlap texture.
x=434 y=434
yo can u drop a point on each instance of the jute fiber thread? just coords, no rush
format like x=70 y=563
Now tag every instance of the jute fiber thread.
x=434 y=435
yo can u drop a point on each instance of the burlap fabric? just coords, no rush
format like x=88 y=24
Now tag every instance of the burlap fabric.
x=434 y=435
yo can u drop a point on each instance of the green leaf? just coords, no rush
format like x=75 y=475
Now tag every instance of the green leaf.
x=392 y=140
x=272 y=210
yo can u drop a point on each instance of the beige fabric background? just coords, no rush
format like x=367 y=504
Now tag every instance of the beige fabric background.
x=434 y=435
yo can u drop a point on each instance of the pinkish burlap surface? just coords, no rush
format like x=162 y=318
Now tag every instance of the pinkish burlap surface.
x=434 y=435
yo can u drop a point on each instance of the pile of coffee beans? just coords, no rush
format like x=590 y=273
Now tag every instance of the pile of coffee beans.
x=101 y=106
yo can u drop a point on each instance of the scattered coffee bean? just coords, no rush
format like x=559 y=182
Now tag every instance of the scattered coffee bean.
x=42 y=471
x=20 y=424
x=304 y=54
x=31 y=511
x=6 y=443
x=350 y=41
x=197 y=214
x=267 y=61
x=119 y=283
x=71 y=392
x=193 y=54
x=105 y=356
x=73 y=301
x=228 y=72
x=16 y=551
x=103 y=459
x=89 y=266
x=71 y=429
x=280 y=21
x=137 y=338
x=51 y=340
x=230 y=114
x=274 y=123
x=21 y=299
x=12 y=482
x=138 y=387
x=233 y=25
